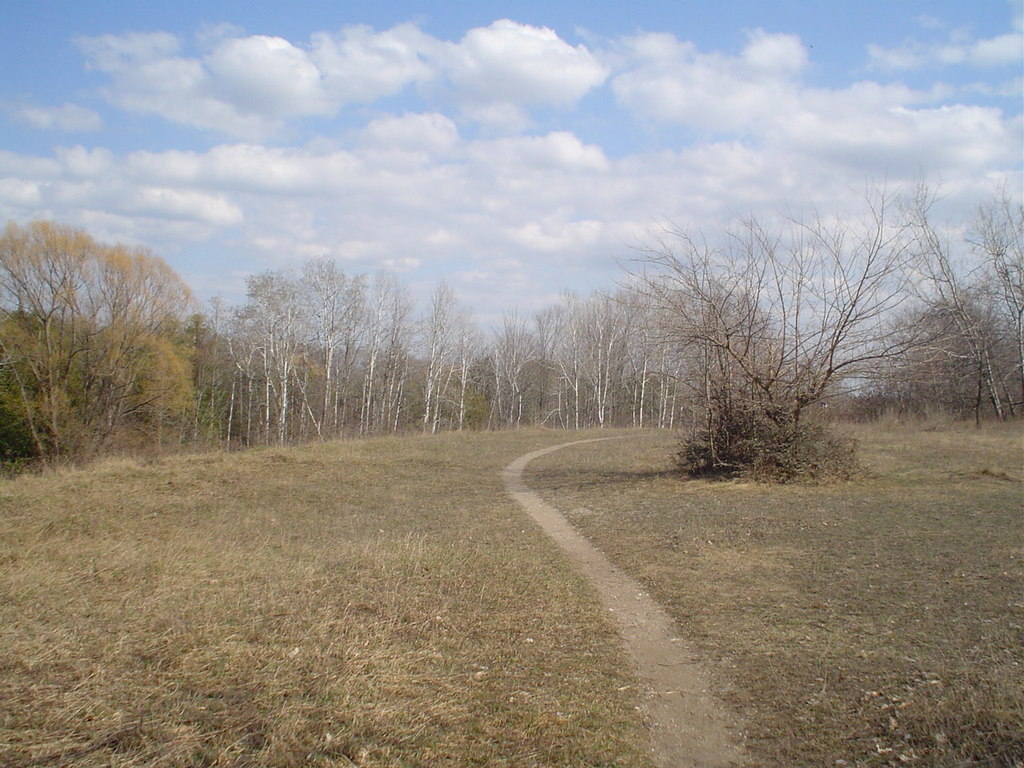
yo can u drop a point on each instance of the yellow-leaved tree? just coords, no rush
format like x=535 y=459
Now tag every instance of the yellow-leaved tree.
x=88 y=340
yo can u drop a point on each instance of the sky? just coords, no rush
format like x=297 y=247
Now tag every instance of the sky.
x=516 y=150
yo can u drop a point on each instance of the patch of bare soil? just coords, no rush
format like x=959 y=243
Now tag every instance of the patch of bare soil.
x=690 y=726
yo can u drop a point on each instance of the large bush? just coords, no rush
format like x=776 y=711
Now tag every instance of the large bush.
x=765 y=445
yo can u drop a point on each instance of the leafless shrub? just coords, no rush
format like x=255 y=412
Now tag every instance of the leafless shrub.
x=743 y=441
x=776 y=322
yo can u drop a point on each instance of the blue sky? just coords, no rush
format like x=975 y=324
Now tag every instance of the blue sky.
x=514 y=149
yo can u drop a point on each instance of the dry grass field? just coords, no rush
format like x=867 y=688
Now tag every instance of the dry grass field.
x=876 y=622
x=382 y=603
x=372 y=603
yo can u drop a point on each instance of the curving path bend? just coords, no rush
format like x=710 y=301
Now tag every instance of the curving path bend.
x=690 y=727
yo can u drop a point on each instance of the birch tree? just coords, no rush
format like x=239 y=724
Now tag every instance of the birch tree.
x=274 y=320
x=514 y=347
x=386 y=365
x=336 y=304
x=603 y=332
x=439 y=331
x=469 y=346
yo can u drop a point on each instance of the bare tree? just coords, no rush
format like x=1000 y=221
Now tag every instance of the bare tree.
x=514 y=348
x=604 y=330
x=562 y=340
x=940 y=374
x=778 y=318
x=998 y=236
x=548 y=389
x=469 y=345
x=386 y=366
x=954 y=289
x=439 y=331
x=274 y=321
x=336 y=304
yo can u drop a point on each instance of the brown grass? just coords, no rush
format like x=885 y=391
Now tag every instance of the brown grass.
x=375 y=603
x=876 y=622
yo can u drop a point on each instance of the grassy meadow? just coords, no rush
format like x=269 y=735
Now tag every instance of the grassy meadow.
x=370 y=603
x=382 y=603
x=876 y=622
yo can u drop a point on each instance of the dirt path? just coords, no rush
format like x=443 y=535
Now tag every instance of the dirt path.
x=689 y=726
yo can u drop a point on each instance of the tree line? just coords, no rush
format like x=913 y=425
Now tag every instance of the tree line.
x=102 y=347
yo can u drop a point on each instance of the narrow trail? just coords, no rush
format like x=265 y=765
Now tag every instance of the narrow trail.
x=690 y=727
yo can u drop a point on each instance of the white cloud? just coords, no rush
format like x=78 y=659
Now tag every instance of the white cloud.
x=492 y=68
x=873 y=129
x=253 y=169
x=670 y=80
x=912 y=54
x=79 y=183
x=360 y=65
x=503 y=117
x=759 y=96
x=79 y=162
x=148 y=76
x=509 y=215
x=1004 y=49
x=66 y=117
x=501 y=196
x=249 y=169
x=251 y=86
x=774 y=53
x=555 y=210
x=430 y=133
x=14 y=165
x=21 y=193
x=263 y=75
x=551 y=153
x=194 y=205
x=113 y=53
x=188 y=205
x=556 y=235
x=1010 y=89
